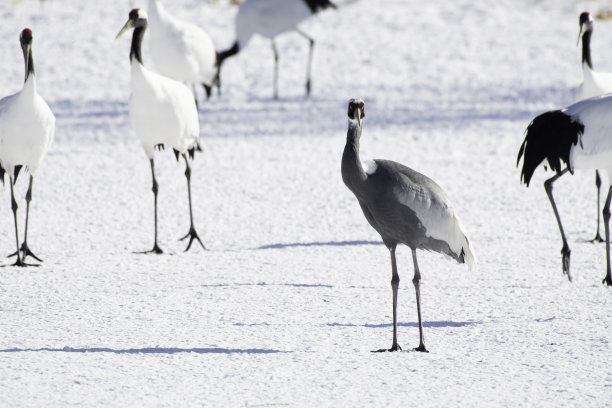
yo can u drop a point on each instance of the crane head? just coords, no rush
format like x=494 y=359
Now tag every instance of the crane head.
x=137 y=18
x=586 y=24
x=356 y=110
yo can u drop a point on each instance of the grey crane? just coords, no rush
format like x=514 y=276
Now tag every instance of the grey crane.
x=404 y=207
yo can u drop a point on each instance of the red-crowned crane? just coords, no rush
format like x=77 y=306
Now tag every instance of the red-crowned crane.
x=579 y=136
x=594 y=83
x=162 y=112
x=27 y=127
x=269 y=18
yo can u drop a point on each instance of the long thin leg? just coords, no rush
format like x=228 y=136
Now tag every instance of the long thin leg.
x=24 y=246
x=565 y=251
x=25 y=249
x=192 y=234
x=598 y=237
x=156 y=249
x=606 y=216
x=275 y=51
x=416 y=280
x=14 y=207
x=309 y=66
x=394 y=286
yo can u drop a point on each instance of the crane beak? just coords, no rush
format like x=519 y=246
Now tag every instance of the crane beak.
x=358 y=116
x=580 y=34
x=128 y=25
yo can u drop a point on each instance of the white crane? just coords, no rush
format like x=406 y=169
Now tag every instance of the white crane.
x=27 y=127
x=404 y=207
x=181 y=50
x=580 y=136
x=594 y=83
x=269 y=18
x=162 y=112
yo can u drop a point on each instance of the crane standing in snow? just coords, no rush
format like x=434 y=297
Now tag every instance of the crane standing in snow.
x=594 y=83
x=404 y=207
x=27 y=127
x=269 y=18
x=181 y=50
x=578 y=135
x=162 y=112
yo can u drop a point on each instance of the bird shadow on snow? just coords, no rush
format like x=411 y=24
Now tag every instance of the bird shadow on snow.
x=313 y=244
x=411 y=324
x=149 y=350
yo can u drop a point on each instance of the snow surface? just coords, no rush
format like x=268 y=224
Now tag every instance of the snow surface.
x=294 y=291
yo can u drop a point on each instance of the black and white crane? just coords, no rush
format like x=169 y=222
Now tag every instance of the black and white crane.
x=162 y=112
x=580 y=136
x=181 y=50
x=594 y=83
x=269 y=18
x=404 y=207
x=27 y=127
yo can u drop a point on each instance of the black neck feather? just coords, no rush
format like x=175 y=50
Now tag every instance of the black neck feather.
x=136 y=49
x=586 y=48
x=29 y=69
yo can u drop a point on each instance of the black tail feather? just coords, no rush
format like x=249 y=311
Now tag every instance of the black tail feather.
x=549 y=136
x=316 y=5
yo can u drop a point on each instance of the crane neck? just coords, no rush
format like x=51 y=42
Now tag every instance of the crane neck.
x=586 y=49
x=29 y=62
x=136 y=48
x=351 y=163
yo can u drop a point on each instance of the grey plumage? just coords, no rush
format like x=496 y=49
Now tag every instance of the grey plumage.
x=404 y=207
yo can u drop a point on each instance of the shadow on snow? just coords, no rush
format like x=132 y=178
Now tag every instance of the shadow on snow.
x=411 y=324
x=149 y=350
x=314 y=244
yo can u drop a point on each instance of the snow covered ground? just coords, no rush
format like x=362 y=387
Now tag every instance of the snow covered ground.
x=293 y=293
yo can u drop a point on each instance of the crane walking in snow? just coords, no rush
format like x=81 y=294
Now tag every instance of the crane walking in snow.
x=580 y=136
x=27 y=127
x=162 y=112
x=181 y=50
x=404 y=207
x=594 y=83
x=269 y=18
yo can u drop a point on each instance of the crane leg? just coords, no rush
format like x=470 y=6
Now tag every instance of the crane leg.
x=192 y=234
x=394 y=286
x=416 y=280
x=24 y=246
x=606 y=216
x=275 y=51
x=308 y=67
x=195 y=96
x=565 y=251
x=598 y=237
x=156 y=249
x=208 y=90
x=25 y=250
x=14 y=207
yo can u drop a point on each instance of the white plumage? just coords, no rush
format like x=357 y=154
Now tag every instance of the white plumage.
x=269 y=18
x=433 y=209
x=180 y=49
x=27 y=127
x=162 y=113
x=594 y=147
